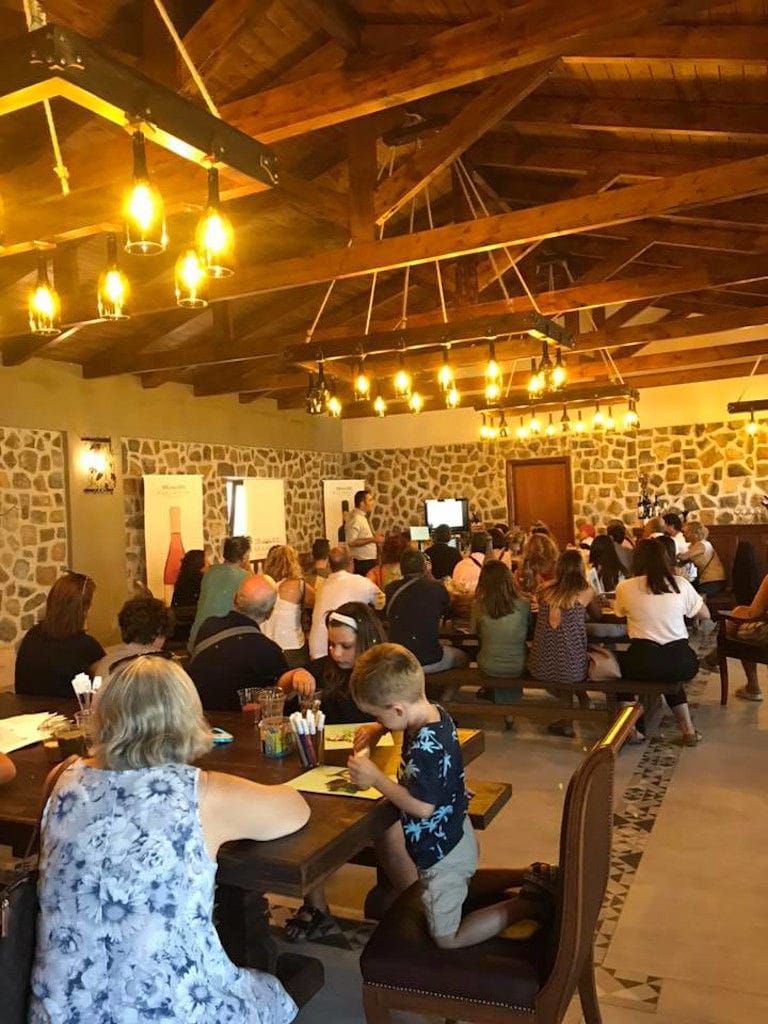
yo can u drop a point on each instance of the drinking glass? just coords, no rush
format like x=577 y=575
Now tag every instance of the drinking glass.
x=271 y=702
x=276 y=736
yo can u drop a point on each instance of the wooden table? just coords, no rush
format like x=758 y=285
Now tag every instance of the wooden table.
x=338 y=829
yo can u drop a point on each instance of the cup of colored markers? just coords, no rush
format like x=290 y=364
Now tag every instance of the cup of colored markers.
x=309 y=733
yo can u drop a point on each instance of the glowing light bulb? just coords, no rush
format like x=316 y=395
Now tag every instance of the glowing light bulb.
x=379 y=405
x=610 y=422
x=550 y=428
x=598 y=420
x=492 y=391
x=402 y=381
x=750 y=426
x=143 y=209
x=534 y=426
x=559 y=373
x=492 y=369
x=191 y=281
x=631 y=419
x=445 y=373
x=333 y=405
x=112 y=288
x=415 y=402
x=362 y=385
x=452 y=397
x=44 y=305
x=214 y=235
x=522 y=431
x=579 y=426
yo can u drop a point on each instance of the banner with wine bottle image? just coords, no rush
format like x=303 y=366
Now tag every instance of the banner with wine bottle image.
x=338 y=501
x=173 y=525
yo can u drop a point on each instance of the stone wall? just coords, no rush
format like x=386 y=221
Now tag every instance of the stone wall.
x=303 y=472
x=33 y=525
x=712 y=469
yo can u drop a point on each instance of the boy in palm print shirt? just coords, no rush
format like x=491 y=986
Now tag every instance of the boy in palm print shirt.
x=388 y=684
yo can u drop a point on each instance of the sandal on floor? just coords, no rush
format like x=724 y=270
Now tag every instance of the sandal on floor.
x=308 y=923
x=746 y=694
x=688 y=739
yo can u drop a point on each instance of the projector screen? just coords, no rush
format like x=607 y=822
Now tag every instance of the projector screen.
x=452 y=511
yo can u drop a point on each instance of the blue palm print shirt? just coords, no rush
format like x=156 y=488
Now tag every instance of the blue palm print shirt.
x=432 y=770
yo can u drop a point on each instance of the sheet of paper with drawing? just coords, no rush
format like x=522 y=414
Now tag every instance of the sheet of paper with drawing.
x=341 y=737
x=331 y=780
x=21 y=730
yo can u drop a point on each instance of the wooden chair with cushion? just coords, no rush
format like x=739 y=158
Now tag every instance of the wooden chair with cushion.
x=507 y=979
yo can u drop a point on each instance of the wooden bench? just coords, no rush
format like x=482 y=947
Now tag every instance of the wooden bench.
x=444 y=685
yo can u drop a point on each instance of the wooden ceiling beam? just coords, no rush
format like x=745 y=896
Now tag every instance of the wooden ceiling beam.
x=643 y=116
x=714 y=45
x=438 y=152
x=514 y=38
x=362 y=135
x=208 y=41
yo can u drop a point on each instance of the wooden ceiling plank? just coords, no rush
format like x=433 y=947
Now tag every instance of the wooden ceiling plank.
x=473 y=120
x=698 y=44
x=624 y=254
x=362 y=135
x=208 y=40
x=336 y=18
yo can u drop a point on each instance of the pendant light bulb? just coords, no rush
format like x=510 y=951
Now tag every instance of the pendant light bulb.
x=610 y=422
x=44 y=305
x=333 y=402
x=362 y=386
x=751 y=426
x=214 y=235
x=631 y=419
x=534 y=426
x=579 y=426
x=492 y=369
x=522 y=431
x=492 y=391
x=598 y=420
x=143 y=209
x=535 y=384
x=559 y=374
x=483 y=429
x=113 y=288
x=191 y=281
x=452 y=397
x=379 y=405
x=402 y=381
x=550 y=429
x=445 y=373
x=565 y=421
x=415 y=402
x=503 y=428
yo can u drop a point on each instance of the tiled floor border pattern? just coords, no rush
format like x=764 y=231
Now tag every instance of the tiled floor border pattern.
x=632 y=826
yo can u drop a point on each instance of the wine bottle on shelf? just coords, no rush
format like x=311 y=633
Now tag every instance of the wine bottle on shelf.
x=175 y=554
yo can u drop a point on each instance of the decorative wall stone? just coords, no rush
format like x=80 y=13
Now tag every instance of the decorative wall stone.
x=33 y=529
x=713 y=470
x=303 y=472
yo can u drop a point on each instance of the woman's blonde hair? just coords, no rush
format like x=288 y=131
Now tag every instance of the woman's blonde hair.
x=149 y=713
x=696 y=529
x=282 y=563
x=539 y=558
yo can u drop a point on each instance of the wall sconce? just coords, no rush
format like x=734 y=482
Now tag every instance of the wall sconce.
x=98 y=463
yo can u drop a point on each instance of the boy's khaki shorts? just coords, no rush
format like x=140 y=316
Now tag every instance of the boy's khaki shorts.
x=444 y=885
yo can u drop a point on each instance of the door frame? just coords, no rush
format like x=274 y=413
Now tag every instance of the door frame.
x=563 y=460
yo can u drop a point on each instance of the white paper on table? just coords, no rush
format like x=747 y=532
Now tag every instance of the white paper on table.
x=341 y=737
x=21 y=731
x=333 y=781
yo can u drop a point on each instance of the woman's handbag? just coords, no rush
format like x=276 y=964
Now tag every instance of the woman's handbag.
x=18 y=920
x=602 y=664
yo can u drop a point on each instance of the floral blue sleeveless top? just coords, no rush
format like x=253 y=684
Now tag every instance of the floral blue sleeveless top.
x=126 y=896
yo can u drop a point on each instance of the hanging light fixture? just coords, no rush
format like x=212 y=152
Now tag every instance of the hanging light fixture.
x=452 y=397
x=113 y=288
x=550 y=428
x=559 y=373
x=362 y=385
x=402 y=381
x=534 y=426
x=598 y=420
x=579 y=427
x=484 y=434
x=191 y=281
x=214 y=236
x=492 y=375
x=415 y=402
x=445 y=376
x=751 y=426
x=143 y=209
x=503 y=428
x=610 y=422
x=379 y=405
x=44 y=305
x=314 y=398
x=631 y=419
x=565 y=421
x=522 y=431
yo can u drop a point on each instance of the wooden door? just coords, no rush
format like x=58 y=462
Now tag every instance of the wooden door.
x=541 y=489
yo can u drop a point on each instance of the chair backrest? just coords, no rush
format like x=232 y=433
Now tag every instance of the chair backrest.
x=745 y=576
x=585 y=847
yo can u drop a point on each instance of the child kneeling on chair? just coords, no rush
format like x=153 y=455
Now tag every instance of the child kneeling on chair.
x=388 y=684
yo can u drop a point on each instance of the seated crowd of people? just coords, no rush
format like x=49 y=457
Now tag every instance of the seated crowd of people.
x=363 y=635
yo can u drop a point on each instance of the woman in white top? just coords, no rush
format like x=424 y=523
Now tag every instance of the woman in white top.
x=711 y=573
x=656 y=604
x=293 y=595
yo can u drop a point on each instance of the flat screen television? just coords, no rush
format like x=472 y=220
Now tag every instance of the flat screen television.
x=452 y=511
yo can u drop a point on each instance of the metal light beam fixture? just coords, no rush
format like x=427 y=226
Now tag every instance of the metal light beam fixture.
x=520 y=400
x=56 y=62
